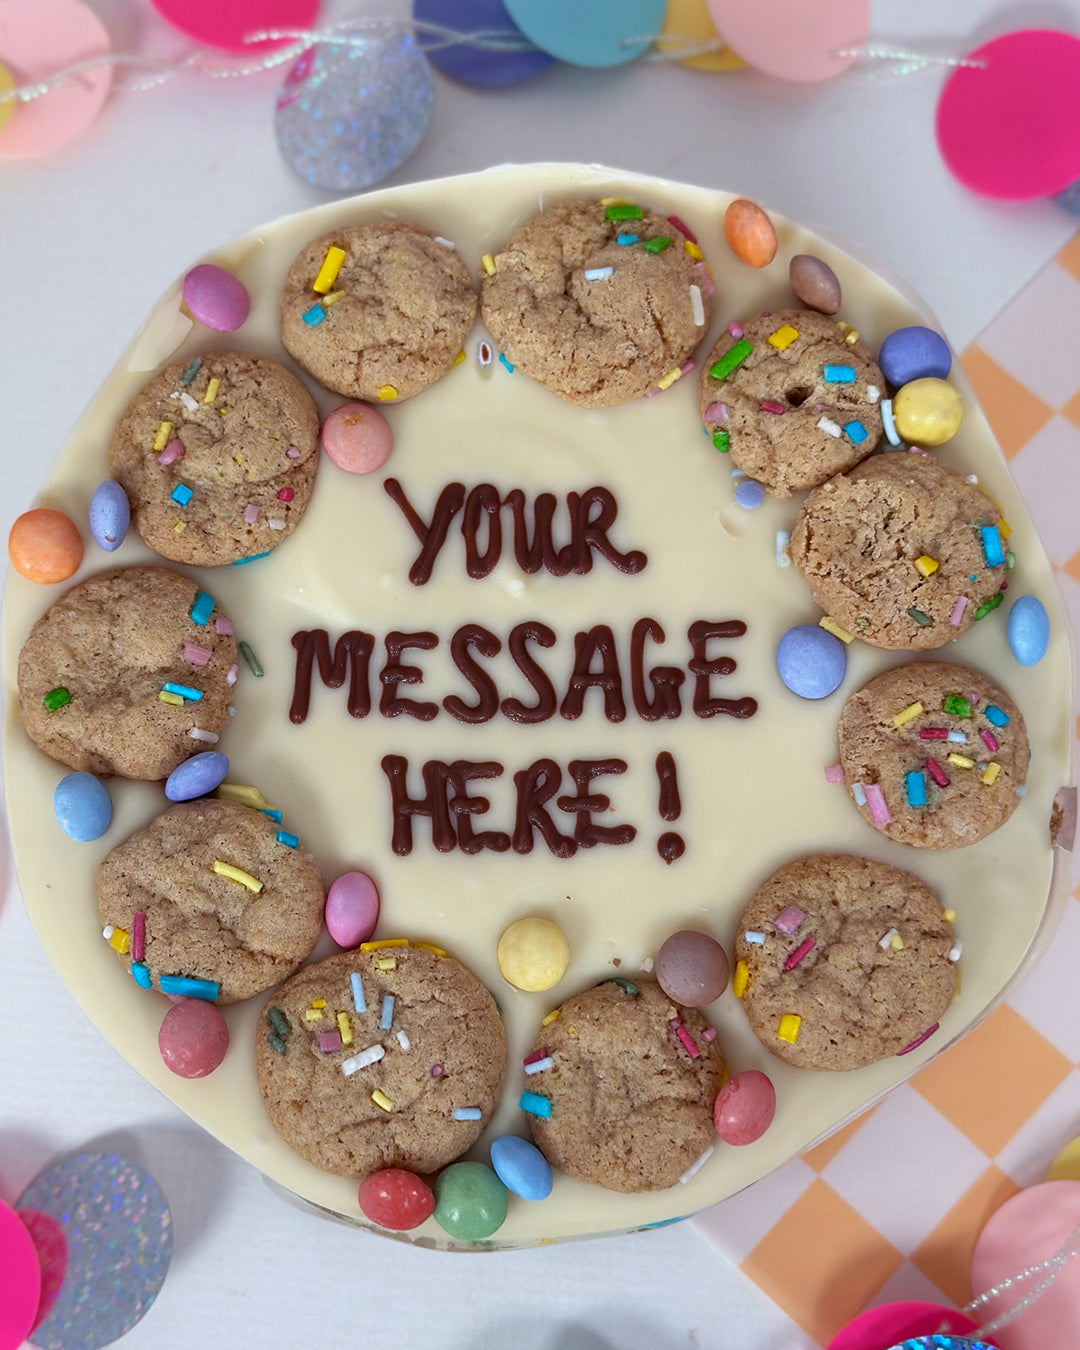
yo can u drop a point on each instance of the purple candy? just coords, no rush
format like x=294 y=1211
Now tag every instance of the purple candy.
x=216 y=298
x=352 y=909
x=197 y=776
x=914 y=353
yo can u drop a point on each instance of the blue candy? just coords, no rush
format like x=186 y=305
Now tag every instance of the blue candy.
x=196 y=776
x=914 y=354
x=1028 y=630
x=521 y=1167
x=810 y=661
x=109 y=515
x=83 y=807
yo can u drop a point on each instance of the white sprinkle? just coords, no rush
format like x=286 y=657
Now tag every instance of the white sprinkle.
x=484 y=354
x=647 y=964
x=957 y=738
x=750 y=935
x=107 y=932
x=445 y=242
x=886 y=942
x=276 y=524
x=973 y=479
x=540 y=1065
x=598 y=273
x=954 y=953
x=858 y=793
x=783 y=539
x=697 y=306
x=695 y=1168
x=198 y=734
x=829 y=427
x=371 y=1055
x=232 y=711
x=191 y=404
x=403 y=1040
x=873 y=393
x=738 y=473
x=467 y=1113
x=891 y=434
x=230 y=675
x=1021 y=791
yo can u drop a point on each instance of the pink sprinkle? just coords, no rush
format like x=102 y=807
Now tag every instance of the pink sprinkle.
x=875 y=800
x=286 y=495
x=788 y=920
x=437 y=1071
x=172 y=452
x=834 y=773
x=686 y=1039
x=535 y=1056
x=937 y=773
x=292 y=452
x=708 y=286
x=917 y=450
x=804 y=949
x=652 y=393
x=958 y=610
x=138 y=936
x=223 y=626
x=770 y=406
x=934 y=733
x=195 y=655
x=329 y=1041
x=709 y=1035
x=735 y=330
x=989 y=740
x=1004 y=586
x=681 y=225
x=686 y=367
x=230 y=674
x=251 y=513
x=973 y=699
x=716 y=412
x=918 y=1040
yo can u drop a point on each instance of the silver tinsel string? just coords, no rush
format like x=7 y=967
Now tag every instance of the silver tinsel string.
x=1051 y=1267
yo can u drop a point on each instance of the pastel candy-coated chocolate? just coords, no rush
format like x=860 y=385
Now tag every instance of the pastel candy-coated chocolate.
x=521 y=1167
x=396 y=1199
x=810 y=661
x=352 y=909
x=1028 y=630
x=927 y=412
x=815 y=283
x=470 y=1201
x=109 y=515
x=82 y=806
x=533 y=954
x=357 y=438
x=216 y=298
x=749 y=494
x=44 y=546
x=744 y=1107
x=197 y=776
x=914 y=353
x=193 y=1038
x=692 y=968
x=750 y=232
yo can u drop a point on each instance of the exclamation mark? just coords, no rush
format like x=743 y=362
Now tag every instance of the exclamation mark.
x=670 y=845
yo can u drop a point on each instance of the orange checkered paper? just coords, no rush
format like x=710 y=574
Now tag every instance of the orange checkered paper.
x=889 y=1207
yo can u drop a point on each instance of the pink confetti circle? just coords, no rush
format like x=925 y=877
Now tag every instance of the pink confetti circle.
x=793 y=39
x=883 y=1327
x=39 y=38
x=20 y=1279
x=48 y=1237
x=1011 y=129
x=226 y=24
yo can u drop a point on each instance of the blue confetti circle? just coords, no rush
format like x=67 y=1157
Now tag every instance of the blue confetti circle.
x=597 y=33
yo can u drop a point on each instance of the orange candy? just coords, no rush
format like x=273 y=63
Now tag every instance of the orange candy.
x=750 y=232
x=44 y=546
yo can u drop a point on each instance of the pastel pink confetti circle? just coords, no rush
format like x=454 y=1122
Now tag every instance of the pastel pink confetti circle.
x=20 y=1279
x=883 y=1327
x=794 y=39
x=39 y=38
x=1011 y=129
x=226 y=25
x=1029 y=1228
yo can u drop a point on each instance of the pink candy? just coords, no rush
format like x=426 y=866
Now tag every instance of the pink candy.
x=744 y=1107
x=352 y=909
x=357 y=438
x=193 y=1038
x=216 y=298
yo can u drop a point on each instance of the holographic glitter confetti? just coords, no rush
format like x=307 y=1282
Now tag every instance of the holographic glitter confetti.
x=352 y=111
x=118 y=1230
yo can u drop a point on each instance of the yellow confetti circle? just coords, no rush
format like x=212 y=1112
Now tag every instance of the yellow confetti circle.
x=1066 y=1166
x=686 y=24
x=7 y=84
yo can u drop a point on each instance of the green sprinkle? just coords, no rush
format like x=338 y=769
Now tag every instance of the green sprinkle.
x=988 y=605
x=923 y=620
x=627 y=986
x=656 y=244
x=278 y=1021
x=624 y=213
x=252 y=660
x=190 y=371
x=731 y=359
x=862 y=623
x=957 y=706
x=1010 y=561
x=56 y=698
x=276 y=1042
x=722 y=441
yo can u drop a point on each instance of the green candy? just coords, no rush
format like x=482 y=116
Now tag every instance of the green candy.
x=470 y=1201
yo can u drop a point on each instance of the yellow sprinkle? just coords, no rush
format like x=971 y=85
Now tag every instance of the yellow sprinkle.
x=956 y=990
x=164 y=431
x=238 y=459
x=345 y=1027
x=313 y=1014
x=333 y=297
x=949 y=915
x=386 y=942
x=926 y=566
x=962 y=761
x=386 y=393
x=693 y=250
x=120 y=941
x=990 y=773
x=784 y=336
x=852 y=337
x=381 y=1099
x=174 y=699
x=552 y=1016
x=430 y=947
x=387 y=963
x=318 y=1003
x=459 y=358
x=740 y=979
x=666 y=381
x=831 y=626
x=237 y=874
x=1004 y=528
x=788 y=1030
x=489 y=264
x=212 y=390
x=708 y=269
x=245 y=795
x=328 y=271
x=616 y=201
x=897 y=943
x=179 y=527
x=911 y=711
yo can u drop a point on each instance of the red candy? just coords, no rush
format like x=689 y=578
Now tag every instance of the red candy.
x=396 y=1199
x=744 y=1107
x=193 y=1038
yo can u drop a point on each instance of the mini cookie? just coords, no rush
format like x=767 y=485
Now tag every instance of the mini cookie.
x=934 y=754
x=217 y=456
x=843 y=961
x=631 y=1087
x=791 y=400
x=94 y=665
x=596 y=321
x=901 y=551
x=377 y=312
x=224 y=899
x=392 y=1057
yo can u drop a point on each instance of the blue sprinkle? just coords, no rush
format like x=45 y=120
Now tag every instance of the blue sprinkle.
x=993 y=550
x=239 y=562
x=141 y=975
x=858 y=793
x=289 y=840
x=626 y=239
x=957 y=738
x=749 y=494
x=467 y=1113
x=359 y=1002
x=386 y=1017
x=754 y=937
x=314 y=316
x=915 y=784
x=783 y=540
x=190 y=371
x=856 y=432
x=184 y=690
x=535 y=1104
x=190 y=987
x=504 y=362
x=994 y=714
x=181 y=495
x=274 y=815
x=839 y=374
x=888 y=423
x=598 y=273
x=739 y=473
x=202 y=609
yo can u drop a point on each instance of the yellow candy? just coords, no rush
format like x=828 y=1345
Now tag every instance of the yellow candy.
x=927 y=412
x=533 y=954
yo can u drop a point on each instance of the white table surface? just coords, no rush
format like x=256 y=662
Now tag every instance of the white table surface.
x=88 y=239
